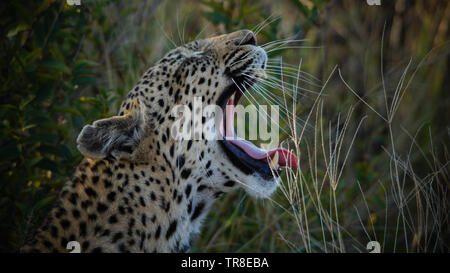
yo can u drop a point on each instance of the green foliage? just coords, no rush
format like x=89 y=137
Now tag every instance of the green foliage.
x=43 y=72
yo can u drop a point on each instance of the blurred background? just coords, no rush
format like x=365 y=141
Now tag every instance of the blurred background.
x=372 y=108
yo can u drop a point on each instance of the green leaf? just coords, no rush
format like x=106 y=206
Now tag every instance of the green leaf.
x=44 y=202
x=43 y=93
x=217 y=17
x=8 y=152
x=33 y=162
x=33 y=56
x=85 y=63
x=303 y=9
x=56 y=65
x=47 y=164
x=214 y=5
x=42 y=137
x=77 y=122
x=84 y=80
x=8 y=106
x=93 y=101
x=66 y=109
x=60 y=150
x=36 y=117
x=13 y=32
x=29 y=99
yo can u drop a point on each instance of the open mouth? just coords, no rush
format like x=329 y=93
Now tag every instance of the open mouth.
x=242 y=153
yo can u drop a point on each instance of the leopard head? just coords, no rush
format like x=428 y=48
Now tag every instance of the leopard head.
x=202 y=73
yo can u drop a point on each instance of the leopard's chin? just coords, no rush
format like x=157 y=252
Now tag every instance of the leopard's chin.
x=259 y=187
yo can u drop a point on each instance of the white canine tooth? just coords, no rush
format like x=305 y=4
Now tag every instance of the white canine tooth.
x=262 y=74
x=231 y=99
x=274 y=162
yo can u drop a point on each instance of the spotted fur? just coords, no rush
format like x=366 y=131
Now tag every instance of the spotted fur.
x=138 y=189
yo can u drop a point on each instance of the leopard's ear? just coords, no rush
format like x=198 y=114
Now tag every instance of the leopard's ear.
x=114 y=136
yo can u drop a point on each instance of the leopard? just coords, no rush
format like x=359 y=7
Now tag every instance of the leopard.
x=140 y=189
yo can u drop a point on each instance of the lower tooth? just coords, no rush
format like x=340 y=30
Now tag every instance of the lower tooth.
x=274 y=162
x=262 y=74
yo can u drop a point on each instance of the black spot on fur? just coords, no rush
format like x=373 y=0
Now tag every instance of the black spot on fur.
x=197 y=211
x=101 y=207
x=187 y=191
x=65 y=224
x=54 y=231
x=73 y=198
x=171 y=229
x=158 y=232
x=95 y=179
x=113 y=219
x=82 y=229
x=229 y=183
x=90 y=192
x=86 y=204
x=111 y=196
x=76 y=213
x=180 y=161
x=97 y=250
x=153 y=196
x=185 y=173
x=117 y=237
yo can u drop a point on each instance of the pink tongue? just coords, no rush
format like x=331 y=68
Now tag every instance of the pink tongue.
x=285 y=158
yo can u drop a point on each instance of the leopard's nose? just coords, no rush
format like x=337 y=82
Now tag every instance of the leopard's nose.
x=245 y=37
x=249 y=39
